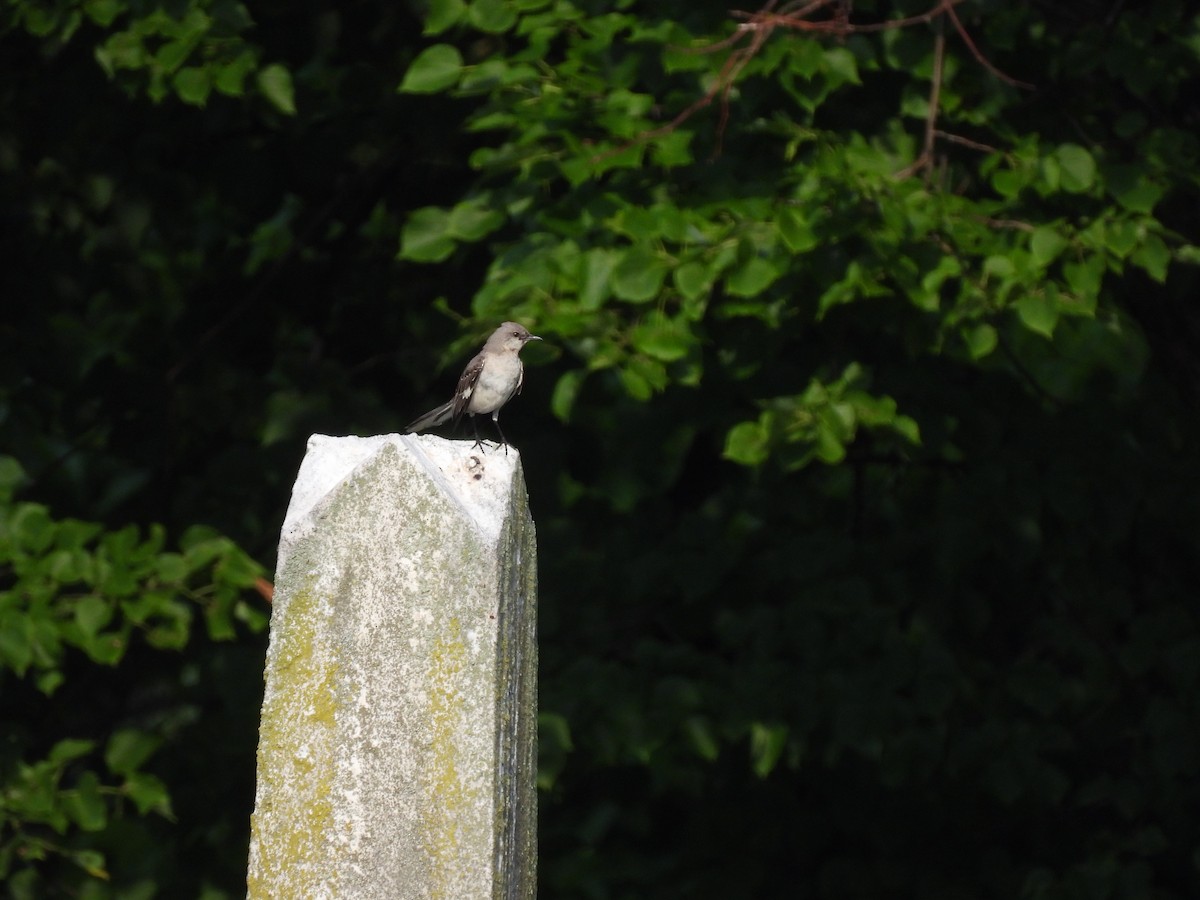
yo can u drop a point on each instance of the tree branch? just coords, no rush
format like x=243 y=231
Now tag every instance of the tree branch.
x=756 y=28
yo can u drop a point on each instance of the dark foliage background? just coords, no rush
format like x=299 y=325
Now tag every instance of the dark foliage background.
x=861 y=449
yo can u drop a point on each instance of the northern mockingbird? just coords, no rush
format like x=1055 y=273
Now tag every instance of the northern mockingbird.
x=489 y=381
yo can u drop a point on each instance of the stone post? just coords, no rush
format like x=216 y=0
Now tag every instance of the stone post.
x=397 y=751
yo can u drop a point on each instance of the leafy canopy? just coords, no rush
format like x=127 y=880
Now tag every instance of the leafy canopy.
x=864 y=499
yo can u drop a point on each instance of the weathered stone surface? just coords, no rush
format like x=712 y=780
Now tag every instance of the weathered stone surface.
x=397 y=752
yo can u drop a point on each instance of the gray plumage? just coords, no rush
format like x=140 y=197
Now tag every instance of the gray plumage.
x=492 y=378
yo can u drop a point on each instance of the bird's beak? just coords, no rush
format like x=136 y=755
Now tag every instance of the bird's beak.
x=533 y=337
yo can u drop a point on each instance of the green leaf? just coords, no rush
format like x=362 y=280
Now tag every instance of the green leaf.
x=908 y=428
x=1046 y=244
x=649 y=223
x=1038 y=312
x=45 y=640
x=638 y=276
x=702 y=737
x=84 y=803
x=595 y=274
x=275 y=83
x=662 y=338
x=254 y=615
x=846 y=290
x=796 y=230
x=748 y=443
x=1188 y=253
x=171 y=55
x=1121 y=237
x=1084 y=278
x=1133 y=189
x=128 y=748
x=92 y=862
x=41 y=21
x=31 y=527
x=171 y=567
x=273 y=238
x=70 y=749
x=424 y=237
x=49 y=682
x=840 y=66
x=91 y=614
x=766 y=746
x=753 y=277
x=122 y=50
x=103 y=12
x=1142 y=197
x=1153 y=256
x=672 y=149
x=16 y=641
x=11 y=476
x=74 y=534
x=929 y=295
x=230 y=78
x=68 y=566
x=435 y=69
x=235 y=568
x=692 y=279
x=192 y=26
x=1008 y=183
x=981 y=340
x=1000 y=267
x=644 y=376
x=201 y=545
x=566 y=389
x=492 y=16
x=486 y=76
x=443 y=14
x=218 y=615
x=170 y=625
x=830 y=448
x=635 y=384
x=107 y=648
x=1077 y=168
x=841 y=418
x=472 y=220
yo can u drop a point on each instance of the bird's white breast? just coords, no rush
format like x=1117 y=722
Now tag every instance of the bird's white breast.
x=496 y=384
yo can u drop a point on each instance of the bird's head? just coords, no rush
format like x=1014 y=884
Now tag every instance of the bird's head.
x=512 y=336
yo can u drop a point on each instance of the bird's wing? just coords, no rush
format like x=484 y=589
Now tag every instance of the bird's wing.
x=520 y=380
x=466 y=385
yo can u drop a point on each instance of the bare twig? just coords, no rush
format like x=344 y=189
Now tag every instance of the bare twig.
x=979 y=57
x=966 y=142
x=1013 y=224
x=925 y=160
x=756 y=28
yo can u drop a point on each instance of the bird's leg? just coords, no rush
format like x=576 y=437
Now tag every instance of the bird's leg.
x=478 y=440
x=496 y=422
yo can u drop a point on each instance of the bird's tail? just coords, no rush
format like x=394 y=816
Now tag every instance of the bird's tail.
x=432 y=418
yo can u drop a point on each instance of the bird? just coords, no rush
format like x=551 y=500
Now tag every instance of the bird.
x=492 y=378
